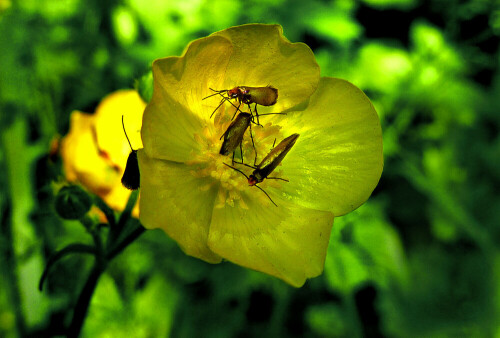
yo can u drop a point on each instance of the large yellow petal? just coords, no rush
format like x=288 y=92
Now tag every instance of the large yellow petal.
x=263 y=56
x=177 y=202
x=81 y=158
x=337 y=161
x=288 y=241
x=177 y=112
x=92 y=166
x=108 y=123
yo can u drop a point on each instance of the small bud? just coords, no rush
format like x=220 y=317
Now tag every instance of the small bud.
x=72 y=202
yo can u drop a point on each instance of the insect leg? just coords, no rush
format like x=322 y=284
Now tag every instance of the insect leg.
x=254 y=149
x=257 y=114
x=241 y=151
x=234 y=152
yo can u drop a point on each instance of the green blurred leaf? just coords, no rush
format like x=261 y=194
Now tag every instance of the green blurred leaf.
x=373 y=253
x=326 y=320
x=344 y=269
x=382 y=68
x=383 y=4
x=333 y=23
x=381 y=245
x=125 y=25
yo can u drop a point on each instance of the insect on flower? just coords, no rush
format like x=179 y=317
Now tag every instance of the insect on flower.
x=131 y=177
x=233 y=136
x=269 y=163
x=265 y=96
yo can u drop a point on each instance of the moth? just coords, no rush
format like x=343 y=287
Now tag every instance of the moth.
x=131 y=177
x=265 y=96
x=269 y=163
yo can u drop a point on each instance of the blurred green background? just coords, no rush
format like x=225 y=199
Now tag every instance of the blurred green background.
x=420 y=259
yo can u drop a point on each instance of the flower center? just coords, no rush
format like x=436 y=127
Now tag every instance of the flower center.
x=221 y=169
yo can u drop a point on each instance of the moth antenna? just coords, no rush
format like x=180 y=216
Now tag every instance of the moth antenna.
x=237 y=108
x=248 y=165
x=241 y=172
x=216 y=92
x=238 y=170
x=220 y=104
x=130 y=144
x=236 y=111
x=266 y=194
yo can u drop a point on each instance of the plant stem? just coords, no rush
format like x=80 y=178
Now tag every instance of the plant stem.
x=352 y=310
x=83 y=302
x=126 y=241
x=103 y=256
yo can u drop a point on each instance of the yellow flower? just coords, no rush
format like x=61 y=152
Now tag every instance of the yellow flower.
x=95 y=150
x=209 y=208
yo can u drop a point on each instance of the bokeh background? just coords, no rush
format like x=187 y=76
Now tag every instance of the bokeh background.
x=420 y=259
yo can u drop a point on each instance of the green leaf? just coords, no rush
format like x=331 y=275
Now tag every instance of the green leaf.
x=344 y=269
x=326 y=320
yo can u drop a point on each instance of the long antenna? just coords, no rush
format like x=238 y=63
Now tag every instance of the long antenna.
x=241 y=172
x=220 y=104
x=266 y=194
x=216 y=92
x=224 y=99
x=238 y=170
x=130 y=144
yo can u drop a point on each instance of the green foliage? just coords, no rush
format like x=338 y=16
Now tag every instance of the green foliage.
x=419 y=259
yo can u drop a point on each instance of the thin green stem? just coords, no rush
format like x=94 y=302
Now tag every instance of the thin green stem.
x=126 y=241
x=103 y=257
x=356 y=329
x=82 y=305
x=70 y=249
x=9 y=272
x=117 y=230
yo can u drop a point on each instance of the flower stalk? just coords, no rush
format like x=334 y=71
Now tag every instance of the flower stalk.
x=121 y=234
